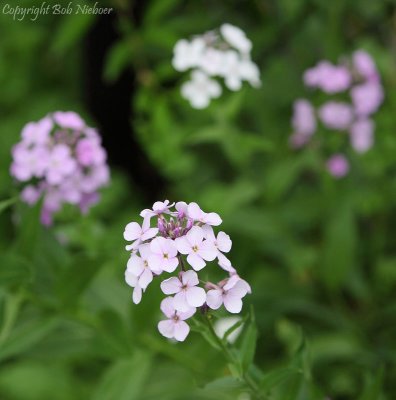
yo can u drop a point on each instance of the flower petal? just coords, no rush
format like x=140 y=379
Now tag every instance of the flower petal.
x=214 y=299
x=180 y=302
x=233 y=304
x=189 y=278
x=130 y=278
x=135 y=265
x=213 y=219
x=167 y=328
x=167 y=307
x=170 y=264
x=224 y=242
x=196 y=261
x=171 y=285
x=183 y=245
x=145 y=278
x=132 y=231
x=137 y=294
x=195 y=296
x=195 y=235
x=151 y=232
x=194 y=211
x=181 y=330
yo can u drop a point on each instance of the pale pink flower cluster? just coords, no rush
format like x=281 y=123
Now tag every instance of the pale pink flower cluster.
x=179 y=238
x=61 y=160
x=222 y=53
x=359 y=82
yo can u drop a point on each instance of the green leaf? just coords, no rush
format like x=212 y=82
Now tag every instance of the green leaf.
x=339 y=246
x=4 y=204
x=248 y=346
x=124 y=379
x=26 y=335
x=15 y=269
x=117 y=59
x=75 y=278
x=373 y=388
x=276 y=377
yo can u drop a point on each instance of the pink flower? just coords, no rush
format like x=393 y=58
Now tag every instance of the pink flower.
x=139 y=266
x=197 y=249
x=138 y=234
x=187 y=294
x=89 y=152
x=60 y=164
x=338 y=165
x=222 y=243
x=159 y=207
x=328 y=77
x=230 y=293
x=132 y=280
x=303 y=120
x=174 y=326
x=362 y=135
x=336 y=115
x=69 y=119
x=365 y=66
x=30 y=194
x=195 y=213
x=28 y=163
x=164 y=255
x=367 y=98
x=37 y=132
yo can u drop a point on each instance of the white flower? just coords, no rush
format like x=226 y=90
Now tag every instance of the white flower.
x=236 y=38
x=187 y=54
x=211 y=61
x=200 y=90
x=237 y=69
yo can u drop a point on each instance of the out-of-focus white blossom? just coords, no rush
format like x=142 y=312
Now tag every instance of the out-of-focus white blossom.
x=223 y=53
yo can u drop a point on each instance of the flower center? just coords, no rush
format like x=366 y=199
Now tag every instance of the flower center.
x=166 y=256
x=195 y=248
x=145 y=263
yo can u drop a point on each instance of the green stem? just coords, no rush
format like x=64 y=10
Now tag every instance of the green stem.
x=181 y=262
x=245 y=377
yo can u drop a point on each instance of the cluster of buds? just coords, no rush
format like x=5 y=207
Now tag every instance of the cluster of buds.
x=357 y=84
x=62 y=160
x=181 y=241
x=223 y=53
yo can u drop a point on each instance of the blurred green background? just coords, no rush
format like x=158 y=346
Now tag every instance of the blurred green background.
x=319 y=253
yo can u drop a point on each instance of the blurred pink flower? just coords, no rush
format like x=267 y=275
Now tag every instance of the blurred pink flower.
x=336 y=115
x=362 y=135
x=338 y=165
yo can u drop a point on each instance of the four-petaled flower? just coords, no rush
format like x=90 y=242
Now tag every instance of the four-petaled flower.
x=159 y=207
x=195 y=213
x=138 y=234
x=187 y=294
x=230 y=293
x=222 y=243
x=174 y=326
x=197 y=249
x=164 y=255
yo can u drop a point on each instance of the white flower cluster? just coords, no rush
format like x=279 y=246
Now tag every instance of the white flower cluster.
x=181 y=240
x=223 y=53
